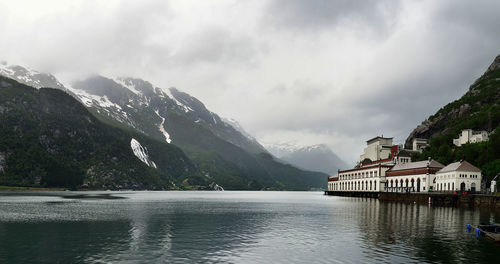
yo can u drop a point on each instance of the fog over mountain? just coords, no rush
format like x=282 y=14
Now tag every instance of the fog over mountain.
x=315 y=158
x=333 y=72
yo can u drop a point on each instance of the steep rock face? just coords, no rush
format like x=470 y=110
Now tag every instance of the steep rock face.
x=478 y=109
x=495 y=65
x=47 y=138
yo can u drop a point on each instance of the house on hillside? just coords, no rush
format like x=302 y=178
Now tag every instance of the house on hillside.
x=459 y=176
x=470 y=136
x=419 y=144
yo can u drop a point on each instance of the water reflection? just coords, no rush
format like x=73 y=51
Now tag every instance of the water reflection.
x=399 y=232
x=234 y=227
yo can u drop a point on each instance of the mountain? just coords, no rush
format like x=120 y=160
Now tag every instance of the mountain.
x=477 y=109
x=47 y=138
x=221 y=152
x=314 y=158
x=29 y=77
x=217 y=148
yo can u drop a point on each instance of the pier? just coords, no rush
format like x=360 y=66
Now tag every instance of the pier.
x=437 y=199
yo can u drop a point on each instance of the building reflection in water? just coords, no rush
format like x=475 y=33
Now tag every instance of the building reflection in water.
x=395 y=231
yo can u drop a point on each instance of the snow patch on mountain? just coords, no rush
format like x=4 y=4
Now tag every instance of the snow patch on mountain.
x=236 y=125
x=29 y=76
x=93 y=100
x=283 y=148
x=177 y=102
x=127 y=83
x=141 y=152
x=162 y=128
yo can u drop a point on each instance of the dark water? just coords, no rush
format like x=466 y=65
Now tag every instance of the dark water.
x=233 y=227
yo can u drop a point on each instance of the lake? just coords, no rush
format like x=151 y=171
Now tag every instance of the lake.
x=233 y=227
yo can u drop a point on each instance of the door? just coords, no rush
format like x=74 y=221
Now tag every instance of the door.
x=462 y=187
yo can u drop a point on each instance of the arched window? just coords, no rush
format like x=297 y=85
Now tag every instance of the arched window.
x=371 y=185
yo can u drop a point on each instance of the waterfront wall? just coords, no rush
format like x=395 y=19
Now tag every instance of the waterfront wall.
x=438 y=199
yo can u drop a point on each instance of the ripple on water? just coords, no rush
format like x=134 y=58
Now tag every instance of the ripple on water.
x=232 y=227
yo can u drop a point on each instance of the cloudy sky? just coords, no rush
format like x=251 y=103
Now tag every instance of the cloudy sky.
x=308 y=72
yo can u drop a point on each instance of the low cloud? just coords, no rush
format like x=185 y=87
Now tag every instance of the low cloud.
x=334 y=72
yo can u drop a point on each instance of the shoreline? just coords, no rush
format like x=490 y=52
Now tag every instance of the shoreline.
x=436 y=199
x=27 y=188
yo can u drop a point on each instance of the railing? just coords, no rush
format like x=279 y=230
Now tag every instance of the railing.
x=400 y=189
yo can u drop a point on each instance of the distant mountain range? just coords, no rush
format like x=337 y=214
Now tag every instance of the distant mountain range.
x=216 y=150
x=316 y=158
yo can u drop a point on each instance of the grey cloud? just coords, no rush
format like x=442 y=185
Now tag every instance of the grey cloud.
x=283 y=67
x=214 y=45
x=377 y=16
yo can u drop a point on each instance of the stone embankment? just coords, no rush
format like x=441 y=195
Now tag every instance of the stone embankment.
x=438 y=199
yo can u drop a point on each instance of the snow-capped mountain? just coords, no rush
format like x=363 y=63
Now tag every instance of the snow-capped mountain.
x=282 y=149
x=29 y=77
x=315 y=158
x=219 y=149
x=140 y=105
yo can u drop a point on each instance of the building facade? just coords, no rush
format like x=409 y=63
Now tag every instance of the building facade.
x=377 y=148
x=470 y=136
x=365 y=179
x=413 y=176
x=459 y=176
x=385 y=167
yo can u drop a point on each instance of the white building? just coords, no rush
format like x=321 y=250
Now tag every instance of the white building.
x=379 y=156
x=459 y=176
x=332 y=182
x=378 y=148
x=419 y=144
x=413 y=176
x=370 y=178
x=470 y=136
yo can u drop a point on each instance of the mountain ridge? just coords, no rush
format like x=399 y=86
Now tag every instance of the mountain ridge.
x=219 y=151
x=477 y=109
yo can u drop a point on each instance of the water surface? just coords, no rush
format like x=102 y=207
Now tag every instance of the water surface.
x=233 y=227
